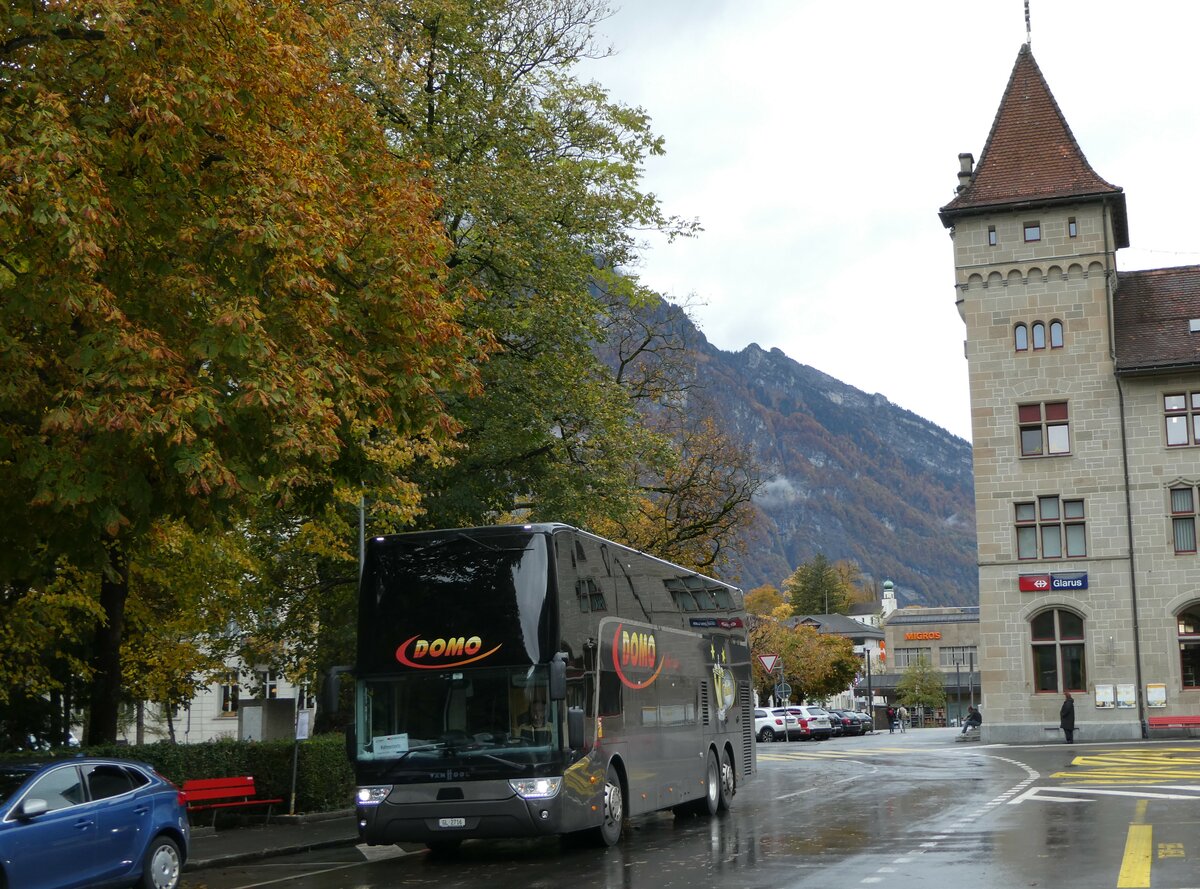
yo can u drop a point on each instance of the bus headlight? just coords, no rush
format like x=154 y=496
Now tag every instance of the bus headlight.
x=536 y=788
x=373 y=796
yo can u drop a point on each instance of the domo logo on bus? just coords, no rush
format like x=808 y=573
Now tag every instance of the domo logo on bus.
x=635 y=657
x=438 y=654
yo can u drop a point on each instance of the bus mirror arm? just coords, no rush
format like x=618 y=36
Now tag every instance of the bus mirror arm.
x=575 y=728
x=558 y=677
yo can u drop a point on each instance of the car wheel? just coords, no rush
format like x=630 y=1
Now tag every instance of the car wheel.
x=728 y=782
x=767 y=734
x=161 y=867
x=609 y=831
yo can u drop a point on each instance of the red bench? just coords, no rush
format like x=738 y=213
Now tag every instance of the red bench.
x=223 y=793
x=1185 y=722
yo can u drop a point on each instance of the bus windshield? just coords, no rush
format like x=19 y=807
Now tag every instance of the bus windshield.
x=458 y=714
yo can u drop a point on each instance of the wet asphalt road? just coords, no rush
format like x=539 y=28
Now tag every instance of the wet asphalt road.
x=905 y=810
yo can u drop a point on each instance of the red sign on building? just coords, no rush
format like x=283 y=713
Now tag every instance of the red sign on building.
x=1034 y=583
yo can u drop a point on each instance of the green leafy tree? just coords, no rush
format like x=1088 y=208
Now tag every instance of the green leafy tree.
x=814 y=665
x=218 y=287
x=817 y=587
x=539 y=177
x=921 y=686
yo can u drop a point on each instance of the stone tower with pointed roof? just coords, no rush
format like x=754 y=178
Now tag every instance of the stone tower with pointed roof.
x=1085 y=403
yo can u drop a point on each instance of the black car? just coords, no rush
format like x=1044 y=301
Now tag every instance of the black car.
x=851 y=724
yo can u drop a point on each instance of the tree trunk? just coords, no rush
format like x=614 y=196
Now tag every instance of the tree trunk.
x=105 y=697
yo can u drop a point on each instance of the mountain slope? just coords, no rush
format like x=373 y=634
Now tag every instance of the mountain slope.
x=848 y=474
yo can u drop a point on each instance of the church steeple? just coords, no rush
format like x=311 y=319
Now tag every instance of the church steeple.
x=1031 y=158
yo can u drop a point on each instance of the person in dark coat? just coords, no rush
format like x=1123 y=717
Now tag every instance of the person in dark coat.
x=1066 y=718
x=974 y=719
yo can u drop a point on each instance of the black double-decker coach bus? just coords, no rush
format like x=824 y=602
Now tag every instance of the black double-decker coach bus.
x=530 y=680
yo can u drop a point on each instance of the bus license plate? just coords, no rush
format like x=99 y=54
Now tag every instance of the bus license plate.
x=452 y=822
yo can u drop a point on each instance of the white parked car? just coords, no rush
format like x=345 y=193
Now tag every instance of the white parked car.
x=772 y=725
x=811 y=723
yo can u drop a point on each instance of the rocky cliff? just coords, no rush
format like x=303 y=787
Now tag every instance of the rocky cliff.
x=848 y=474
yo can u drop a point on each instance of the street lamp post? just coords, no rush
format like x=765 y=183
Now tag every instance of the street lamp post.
x=971 y=676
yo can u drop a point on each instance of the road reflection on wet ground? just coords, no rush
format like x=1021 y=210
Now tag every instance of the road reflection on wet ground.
x=906 y=810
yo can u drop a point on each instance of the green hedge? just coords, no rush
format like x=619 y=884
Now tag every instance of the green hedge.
x=324 y=778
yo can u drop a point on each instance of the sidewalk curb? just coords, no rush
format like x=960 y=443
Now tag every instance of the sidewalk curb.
x=233 y=858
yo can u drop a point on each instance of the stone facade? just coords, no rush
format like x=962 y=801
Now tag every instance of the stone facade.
x=1110 y=486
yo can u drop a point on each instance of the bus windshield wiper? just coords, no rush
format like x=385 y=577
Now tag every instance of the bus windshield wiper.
x=436 y=745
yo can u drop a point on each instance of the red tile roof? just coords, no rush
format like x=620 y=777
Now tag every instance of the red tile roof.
x=1151 y=314
x=1031 y=156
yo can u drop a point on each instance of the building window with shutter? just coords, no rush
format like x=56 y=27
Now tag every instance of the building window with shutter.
x=1183 y=519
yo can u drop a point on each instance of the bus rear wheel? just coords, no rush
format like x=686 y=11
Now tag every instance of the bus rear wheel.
x=609 y=831
x=728 y=782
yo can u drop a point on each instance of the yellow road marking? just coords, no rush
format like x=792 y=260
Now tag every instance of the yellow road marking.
x=1164 y=765
x=1139 y=846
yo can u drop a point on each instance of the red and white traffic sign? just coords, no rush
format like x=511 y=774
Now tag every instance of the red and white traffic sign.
x=768 y=661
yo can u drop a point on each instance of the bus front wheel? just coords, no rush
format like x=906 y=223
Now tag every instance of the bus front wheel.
x=609 y=830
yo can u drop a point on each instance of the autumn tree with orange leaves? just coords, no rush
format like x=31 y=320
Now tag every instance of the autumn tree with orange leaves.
x=218 y=288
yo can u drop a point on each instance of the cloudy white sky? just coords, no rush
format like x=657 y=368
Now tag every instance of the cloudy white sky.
x=815 y=142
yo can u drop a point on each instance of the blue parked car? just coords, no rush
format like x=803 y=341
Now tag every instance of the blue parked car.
x=90 y=822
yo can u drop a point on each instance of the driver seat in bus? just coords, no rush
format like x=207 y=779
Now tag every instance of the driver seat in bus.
x=532 y=724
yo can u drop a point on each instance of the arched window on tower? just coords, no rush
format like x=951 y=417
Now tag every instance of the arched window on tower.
x=1039 y=335
x=1021 y=337
x=1056 y=334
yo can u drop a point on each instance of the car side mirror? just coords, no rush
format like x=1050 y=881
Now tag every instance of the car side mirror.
x=31 y=808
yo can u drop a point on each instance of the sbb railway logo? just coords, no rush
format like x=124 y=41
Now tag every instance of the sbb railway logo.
x=438 y=654
x=635 y=657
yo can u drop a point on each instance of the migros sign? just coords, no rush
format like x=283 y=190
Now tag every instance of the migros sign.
x=912 y=636
x=438 y=654
x=635 y=657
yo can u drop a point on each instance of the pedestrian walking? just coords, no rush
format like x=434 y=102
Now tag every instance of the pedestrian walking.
x=891 y=715
x=1066 y=717
x=902 y=715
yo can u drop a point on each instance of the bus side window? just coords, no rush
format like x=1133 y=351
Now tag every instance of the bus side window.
x=610 y=694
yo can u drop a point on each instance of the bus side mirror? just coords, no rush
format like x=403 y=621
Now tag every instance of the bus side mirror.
x=575 y=728
x=558 y=677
